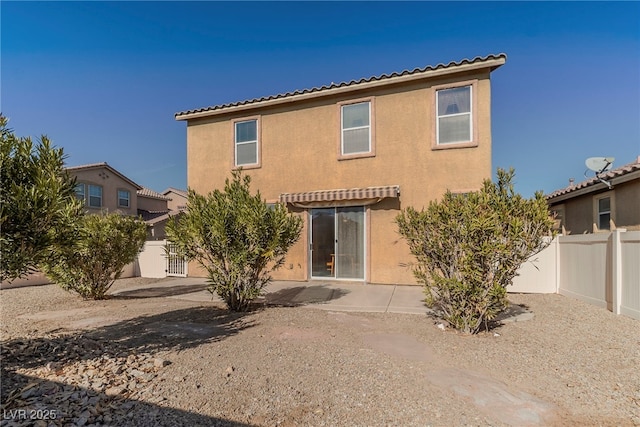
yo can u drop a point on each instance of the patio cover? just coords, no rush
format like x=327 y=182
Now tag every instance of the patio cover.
x=364 y=196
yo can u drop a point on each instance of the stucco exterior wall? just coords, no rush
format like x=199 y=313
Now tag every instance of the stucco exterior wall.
x=110 y=183
x=579 y=215
x=299 y=152
x=152 y=204
x=627 y=213
x=177 y=202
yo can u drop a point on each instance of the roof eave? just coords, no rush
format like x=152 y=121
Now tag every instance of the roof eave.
x=492 y=64
x=109 y=168
x=598 y=186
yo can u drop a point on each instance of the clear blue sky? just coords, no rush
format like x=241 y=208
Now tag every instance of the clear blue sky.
x=104 y=79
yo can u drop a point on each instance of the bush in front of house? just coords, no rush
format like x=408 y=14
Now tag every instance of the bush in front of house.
x=236 y=238
x=468 y=248
x=37 y=202
x=103 y=245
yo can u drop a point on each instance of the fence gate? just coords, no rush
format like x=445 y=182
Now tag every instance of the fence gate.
x=176 y=265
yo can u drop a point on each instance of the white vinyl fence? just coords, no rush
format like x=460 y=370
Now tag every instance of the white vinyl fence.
x=154 y=261
x=602 y=269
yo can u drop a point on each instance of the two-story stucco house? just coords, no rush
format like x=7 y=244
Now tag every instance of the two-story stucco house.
x=348 y=157
x=104 y=189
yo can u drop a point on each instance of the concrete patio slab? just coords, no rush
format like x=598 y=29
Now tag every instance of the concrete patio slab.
x=324 y=295
x=407 y=299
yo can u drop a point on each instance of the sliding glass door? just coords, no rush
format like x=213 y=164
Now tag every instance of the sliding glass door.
x=337 y=243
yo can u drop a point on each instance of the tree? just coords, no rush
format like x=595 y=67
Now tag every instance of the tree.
x=37 y=202
x=469 y=247
x=103 y=246
x=236 y=238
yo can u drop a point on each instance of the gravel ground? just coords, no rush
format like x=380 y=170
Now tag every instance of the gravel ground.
x=164 y=361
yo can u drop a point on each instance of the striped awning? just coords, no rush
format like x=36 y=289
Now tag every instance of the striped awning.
x=342 y=194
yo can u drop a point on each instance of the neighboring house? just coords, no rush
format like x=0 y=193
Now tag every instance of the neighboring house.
x=177 y=199
x=348 y=157
x=104 y=189
x=159 y=207
x=154 y=210
x=591 y=206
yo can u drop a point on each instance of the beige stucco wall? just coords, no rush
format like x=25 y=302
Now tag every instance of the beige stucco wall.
x=110 y=187
x=152 y=204
x=299 y=152
x=177 y=202
x=627 y=213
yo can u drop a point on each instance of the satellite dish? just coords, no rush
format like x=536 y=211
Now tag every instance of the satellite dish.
x=599 y=164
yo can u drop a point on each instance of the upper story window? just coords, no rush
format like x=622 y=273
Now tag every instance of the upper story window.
x=95 y=196
x=454 y=122
x=356 y=128
x=357 y=136
x=80 y=194
x=90 y=194
x=246 y=142
x=124 y=199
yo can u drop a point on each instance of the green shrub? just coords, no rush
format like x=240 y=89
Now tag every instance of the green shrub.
x=469 y=247
x=236 y=238
x=103 y=246
x=37 y=202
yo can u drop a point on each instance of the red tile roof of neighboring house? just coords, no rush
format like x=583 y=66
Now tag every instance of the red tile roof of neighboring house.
x=106 y=166
x=495 y=60
x=610 y=176
x=147 y=192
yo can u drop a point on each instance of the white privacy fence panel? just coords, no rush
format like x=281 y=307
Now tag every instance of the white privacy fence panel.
x=152 y=260
x=630 y=269
x=602 y=269
x=584 y=268
x=539 y=274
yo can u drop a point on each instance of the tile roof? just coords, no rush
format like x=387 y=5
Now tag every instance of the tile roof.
x=500 y=58
x=611 y=175
x=106 y=166
x=147 y=192
x=182 y=193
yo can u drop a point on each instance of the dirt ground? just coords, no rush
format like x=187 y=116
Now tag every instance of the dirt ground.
x=164 y=361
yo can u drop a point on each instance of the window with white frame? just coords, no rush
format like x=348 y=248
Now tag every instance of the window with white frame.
x=356 y=128
x=604 y=213
x=454 y=122
x=246 y=142
x=95 y=196
x=124 y=199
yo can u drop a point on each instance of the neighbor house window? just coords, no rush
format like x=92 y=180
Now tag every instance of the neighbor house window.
x=356 y=128
x=246 y=142
x=124 y=199
x=604 y=213
x=79 y=189
x=454 y=122
x=95 y=196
